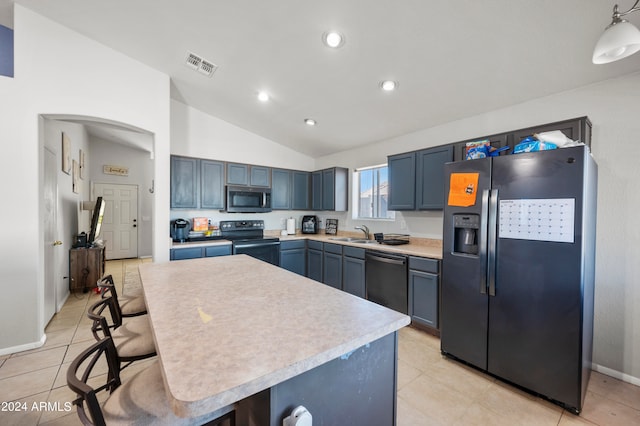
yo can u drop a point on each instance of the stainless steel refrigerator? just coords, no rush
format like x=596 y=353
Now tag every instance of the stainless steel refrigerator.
x=518 y=269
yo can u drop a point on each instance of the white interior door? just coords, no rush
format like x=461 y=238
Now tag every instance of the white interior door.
x=120 y=220
x=51 y=245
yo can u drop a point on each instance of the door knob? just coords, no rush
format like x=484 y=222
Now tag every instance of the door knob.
x=57 y=243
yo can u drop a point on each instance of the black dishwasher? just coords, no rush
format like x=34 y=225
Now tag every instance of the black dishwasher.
x=386 y=280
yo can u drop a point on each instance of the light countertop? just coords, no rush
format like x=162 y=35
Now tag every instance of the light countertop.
x=228 y=327
x=423 y=247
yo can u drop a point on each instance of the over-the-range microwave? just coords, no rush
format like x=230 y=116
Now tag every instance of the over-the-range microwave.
x=248 y=199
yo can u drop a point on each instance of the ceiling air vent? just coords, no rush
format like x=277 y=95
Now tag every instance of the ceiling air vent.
x=199 y=64
x=207 y=68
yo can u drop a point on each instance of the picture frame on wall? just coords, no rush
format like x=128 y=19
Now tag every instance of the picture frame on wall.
x=81 y=165
x=66 y=154
x=76 y=174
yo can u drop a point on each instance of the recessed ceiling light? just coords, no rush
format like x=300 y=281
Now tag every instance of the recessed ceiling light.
x=333 y=39
x=263 y=96
x=389 y=85
x=310 y=121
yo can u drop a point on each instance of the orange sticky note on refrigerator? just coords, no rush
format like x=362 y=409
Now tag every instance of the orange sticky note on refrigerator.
x=463 y=188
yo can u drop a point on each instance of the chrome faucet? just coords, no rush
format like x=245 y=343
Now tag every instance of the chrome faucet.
x=364 y=229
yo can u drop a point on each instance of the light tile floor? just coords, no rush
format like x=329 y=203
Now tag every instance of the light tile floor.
x=432 y=390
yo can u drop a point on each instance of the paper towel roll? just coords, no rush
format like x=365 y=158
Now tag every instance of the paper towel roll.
x=291 y=226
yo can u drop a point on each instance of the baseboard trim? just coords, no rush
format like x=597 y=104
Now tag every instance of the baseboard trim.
x=60 y=305
x=616 y=374
x=25 y=347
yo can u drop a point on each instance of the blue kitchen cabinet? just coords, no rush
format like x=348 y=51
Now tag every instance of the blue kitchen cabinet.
x=314 y=260
x=332 y=265
x=293 y=256
x=237 y=174
x=211 y=184
x=280 y=189
x=260 y=176
x=424 y=291
x=353 y=270
x=301 y=185
x=402 y=181
x=198 y=252
x=214 y=251
x=184 y=182
x=430 y=177
x=316 y=190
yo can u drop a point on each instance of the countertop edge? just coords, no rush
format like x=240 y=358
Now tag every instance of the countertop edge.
x=230 y=397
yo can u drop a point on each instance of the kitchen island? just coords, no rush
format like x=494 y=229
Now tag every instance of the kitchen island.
x=236 y=331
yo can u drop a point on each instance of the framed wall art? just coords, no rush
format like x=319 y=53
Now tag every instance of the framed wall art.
x=81 y=165
x=76 y=174
x=66 y=154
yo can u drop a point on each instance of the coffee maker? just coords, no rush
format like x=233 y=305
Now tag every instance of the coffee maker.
x=310 y=224
x=179 y=230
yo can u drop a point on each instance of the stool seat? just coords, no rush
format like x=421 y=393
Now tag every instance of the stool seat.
x=132 y=305
x=134 y=337
x=141 y=400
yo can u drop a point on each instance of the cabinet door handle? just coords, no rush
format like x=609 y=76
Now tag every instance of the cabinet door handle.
x=57 y=243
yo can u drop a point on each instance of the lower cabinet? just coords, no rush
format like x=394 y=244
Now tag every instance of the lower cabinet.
x=353 y=278
x=293 y=256
x=314 y=260
x=197 y=252
x=332 y=265
x=424 y=291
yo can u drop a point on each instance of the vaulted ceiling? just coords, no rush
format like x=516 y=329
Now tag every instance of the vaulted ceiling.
x=452 y=59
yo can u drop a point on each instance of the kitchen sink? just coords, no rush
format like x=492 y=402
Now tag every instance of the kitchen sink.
x=354 y=240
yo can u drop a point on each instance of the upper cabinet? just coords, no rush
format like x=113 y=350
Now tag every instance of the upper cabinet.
x=184 y=182
x=577 y=129
x=430 y=177
x=330 y=189
x=402 y=181
x=290 y=189
x=245 y=174
x=211 y=184
x=280 y=189
x=416 y=179
x=196 y=183
x=300 y=190
x=496 y=141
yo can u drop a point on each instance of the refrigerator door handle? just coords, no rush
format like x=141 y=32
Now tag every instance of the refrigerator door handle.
x=483 y=241
x=493 y=230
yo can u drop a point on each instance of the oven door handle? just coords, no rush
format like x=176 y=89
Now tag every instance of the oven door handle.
x=252 y=245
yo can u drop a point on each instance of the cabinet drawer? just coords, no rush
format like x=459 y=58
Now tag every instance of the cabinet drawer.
x=354 y=252
x=333 y=248
x=186 y=253
x=290 y=245
x=315 y=245
x=424 y=264
x=217 y=251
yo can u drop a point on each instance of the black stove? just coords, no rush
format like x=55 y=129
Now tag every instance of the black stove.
x=247 y=237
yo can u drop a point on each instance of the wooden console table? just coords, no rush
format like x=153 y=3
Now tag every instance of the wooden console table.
x=86 y=267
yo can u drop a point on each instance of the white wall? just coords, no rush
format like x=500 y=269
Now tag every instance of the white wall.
x=140 y=167
x=57 y=71
x=613 y=108
x=70 y=215
x=196 y=134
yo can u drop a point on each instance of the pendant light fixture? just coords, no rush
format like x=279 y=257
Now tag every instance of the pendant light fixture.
x=619 y=40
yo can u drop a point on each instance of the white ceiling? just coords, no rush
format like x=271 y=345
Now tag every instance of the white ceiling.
x=451 y=59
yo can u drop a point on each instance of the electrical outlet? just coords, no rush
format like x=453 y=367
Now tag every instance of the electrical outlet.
x=403 y=224
x=283 y=222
